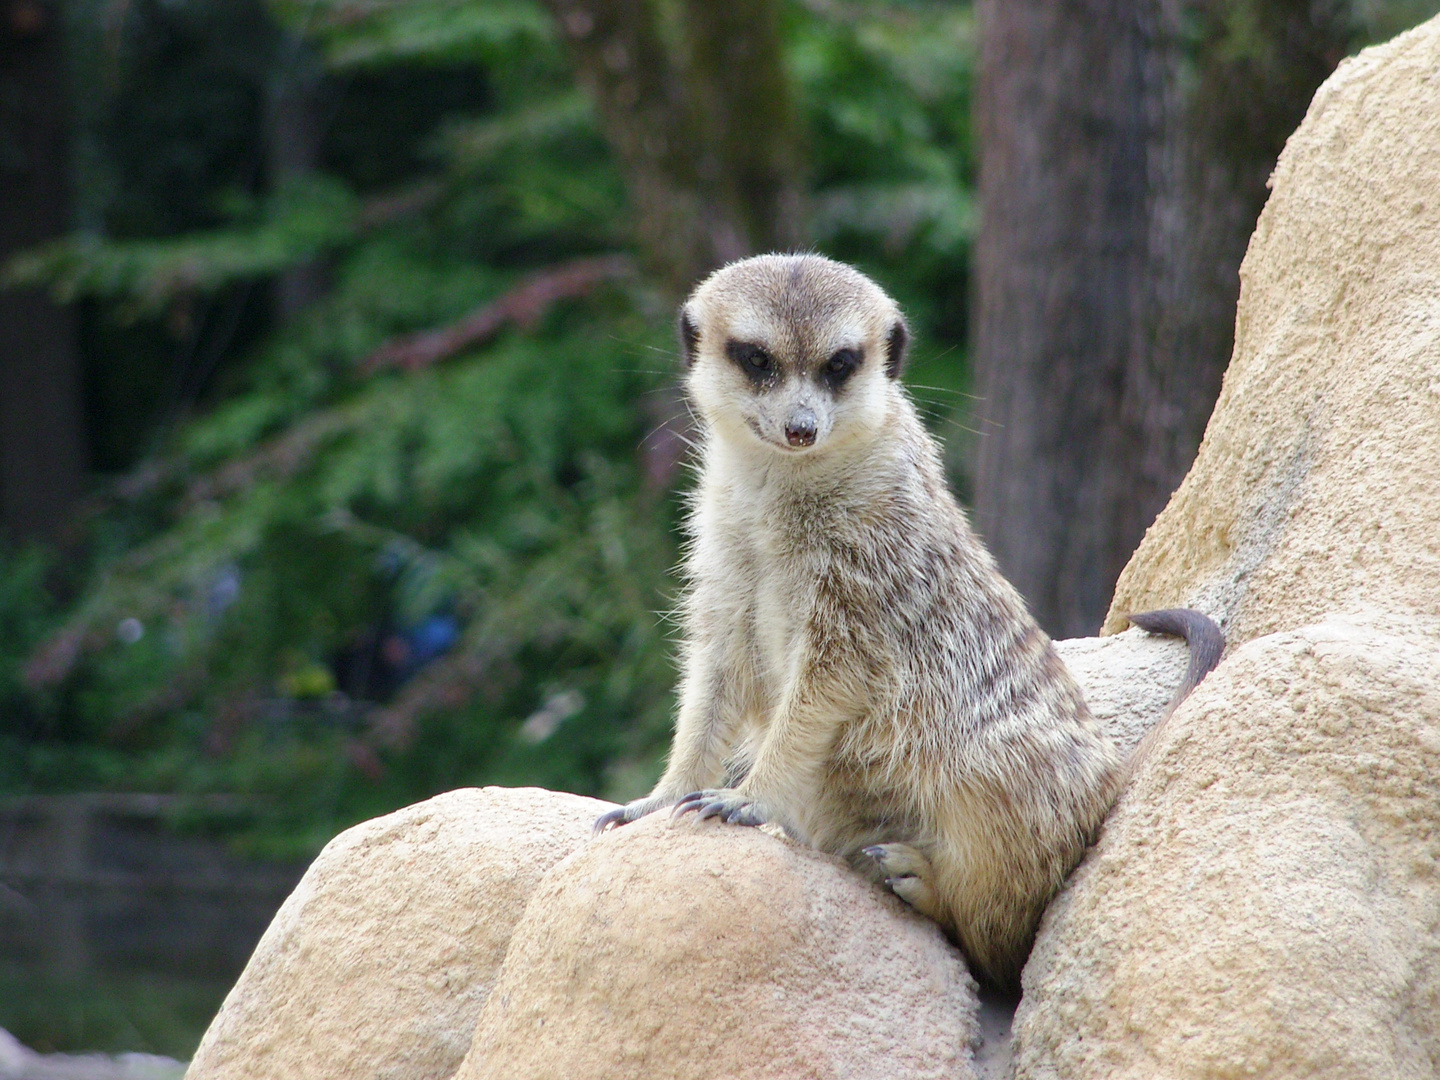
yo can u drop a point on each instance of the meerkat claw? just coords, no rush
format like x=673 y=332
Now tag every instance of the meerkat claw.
x=726 y=805
x=749 y=815
x=631 y=811
x=610 y=820
x=714 y=808
x=908 y=875
x=694 y=801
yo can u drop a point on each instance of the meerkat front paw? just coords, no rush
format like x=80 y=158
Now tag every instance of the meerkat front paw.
x=908 y=873
x=728 y=804
x=631 y=811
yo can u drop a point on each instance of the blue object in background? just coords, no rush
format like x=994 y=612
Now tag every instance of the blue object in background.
x=432 y=637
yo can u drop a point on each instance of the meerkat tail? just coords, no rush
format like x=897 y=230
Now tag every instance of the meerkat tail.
x=1206 y=644
x=1200 y=633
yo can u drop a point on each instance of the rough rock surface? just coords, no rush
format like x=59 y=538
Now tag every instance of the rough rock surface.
x=1317 y=487
x=1265 y=900
x=682 y=949
x=379 y=962
x=1128 y=679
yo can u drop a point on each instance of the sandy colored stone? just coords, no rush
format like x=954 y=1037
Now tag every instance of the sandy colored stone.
x=1128 y=679
x=1317 y=486
x=379 y=962
x=1265 y=899
x=709 y=950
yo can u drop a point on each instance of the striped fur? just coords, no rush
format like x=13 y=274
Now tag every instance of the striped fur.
x=852 y=658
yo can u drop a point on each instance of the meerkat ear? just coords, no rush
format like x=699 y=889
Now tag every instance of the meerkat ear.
x=689 y=337
x=895 y=343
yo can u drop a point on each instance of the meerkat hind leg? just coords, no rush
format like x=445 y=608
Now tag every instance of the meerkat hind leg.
x=908 y=873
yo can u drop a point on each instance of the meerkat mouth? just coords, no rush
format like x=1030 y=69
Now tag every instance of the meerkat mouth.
x=786 y=447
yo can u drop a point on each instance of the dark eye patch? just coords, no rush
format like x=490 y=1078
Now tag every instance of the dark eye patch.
x=839 y=367
x=759 y=366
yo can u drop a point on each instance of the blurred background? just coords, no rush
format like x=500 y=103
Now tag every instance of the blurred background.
x=341 y=453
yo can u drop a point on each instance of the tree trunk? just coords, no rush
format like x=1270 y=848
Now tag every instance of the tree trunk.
x=705 y=138
x=42 y=455
x=703 y=132
x=293 y=135
x=1124 y=150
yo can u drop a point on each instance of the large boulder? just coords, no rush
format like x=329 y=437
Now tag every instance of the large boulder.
x=1265 y=901
x=700 y=949
x=1128 y=679
x=379 y=962
x=1317 y=487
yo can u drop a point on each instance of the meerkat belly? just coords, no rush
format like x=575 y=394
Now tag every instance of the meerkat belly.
x=780 y=600
x=780 y=612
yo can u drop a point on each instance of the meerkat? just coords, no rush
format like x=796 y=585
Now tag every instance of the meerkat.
x=854 y=666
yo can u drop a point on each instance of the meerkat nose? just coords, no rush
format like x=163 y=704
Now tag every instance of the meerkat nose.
x=800 y=428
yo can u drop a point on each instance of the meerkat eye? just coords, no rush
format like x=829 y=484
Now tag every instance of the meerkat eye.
x=758 y=365
x=840 y=367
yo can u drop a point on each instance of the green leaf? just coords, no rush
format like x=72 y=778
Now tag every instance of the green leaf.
x=303 y=220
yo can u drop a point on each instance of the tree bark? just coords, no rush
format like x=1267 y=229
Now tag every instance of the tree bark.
x=703 y=130
x=294 y=132
x=1124 y=150
x=42 y=445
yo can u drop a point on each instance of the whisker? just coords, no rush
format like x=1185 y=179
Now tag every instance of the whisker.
x=677 y=432
x=663 y=384
x=943 y=390
x=645 y=345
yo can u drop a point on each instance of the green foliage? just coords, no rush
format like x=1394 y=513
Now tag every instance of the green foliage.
x=319 y=508
x=885 y=90
x=303 y=220
x=166 y=98
x=25 y=614
x=399 y=31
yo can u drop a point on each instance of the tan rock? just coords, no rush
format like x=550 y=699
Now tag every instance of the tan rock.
x=668 y=950
x=379 y=962
x=1317 y=487
x=1128 y=679
x=1265 y=900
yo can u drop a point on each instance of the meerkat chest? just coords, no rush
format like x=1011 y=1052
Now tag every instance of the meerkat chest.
x=781 y=604
x=768 y=589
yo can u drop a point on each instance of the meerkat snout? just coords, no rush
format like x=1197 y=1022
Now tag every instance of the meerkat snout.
x=800 y=428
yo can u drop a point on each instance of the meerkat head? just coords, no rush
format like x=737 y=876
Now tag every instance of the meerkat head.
x=796 y=353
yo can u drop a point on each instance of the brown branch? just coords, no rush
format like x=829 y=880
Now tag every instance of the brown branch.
x=398 y=205
x=286 y=453
x=522 y=305
x=55 y=658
